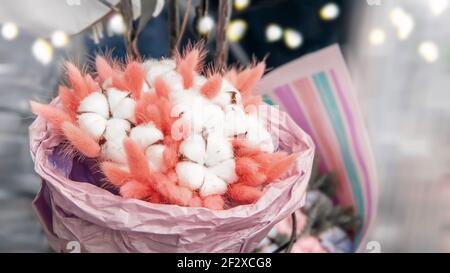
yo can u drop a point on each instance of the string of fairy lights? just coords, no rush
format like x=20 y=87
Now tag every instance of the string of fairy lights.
x=403 y=22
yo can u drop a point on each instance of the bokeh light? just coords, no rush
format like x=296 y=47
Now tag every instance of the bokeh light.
x=42 y=51
x=241 y=4
x=429 y=51
x=205 y=25
x=292 y=38
x=10 y=31
x=59 y=39
x=329 y=12
x=273 y=33
x=236 y=30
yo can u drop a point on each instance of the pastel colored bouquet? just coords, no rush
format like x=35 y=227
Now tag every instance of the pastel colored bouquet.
x=164 y=133
x=173 y=133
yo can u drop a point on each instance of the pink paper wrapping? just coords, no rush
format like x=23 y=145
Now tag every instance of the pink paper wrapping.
x=101 y=221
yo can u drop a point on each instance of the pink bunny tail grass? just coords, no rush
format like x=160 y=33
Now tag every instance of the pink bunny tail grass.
x=251 y=102
x=242 y=149
x=76 y=80
x=137 y=162
x=134 y=77
x=170 y=156
x=52 y=114
x=212 y=86
x=147 y=110
x=196 y=201
x=247 y=79
x=69 y=101
x=231 y=76
x=161 y=88
x=244 y=194
x=214 y=202
x=248 y=172
x=170 y=191
x=155 y=197
x=86 y=145
x=114 y=173
x=91 y=84
x=136 y=190
x=280 y=166
x=104 y=70
x=165 y=109
x=190 y=63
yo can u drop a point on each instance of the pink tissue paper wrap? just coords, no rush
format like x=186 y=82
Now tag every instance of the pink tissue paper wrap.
x=80 y=216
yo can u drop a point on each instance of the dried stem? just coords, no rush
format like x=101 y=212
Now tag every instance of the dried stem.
x=184 y=23
x=224 y=15
x=126 y=10
x=174 y=22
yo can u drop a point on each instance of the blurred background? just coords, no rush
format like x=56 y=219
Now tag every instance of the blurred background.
x=398 y=53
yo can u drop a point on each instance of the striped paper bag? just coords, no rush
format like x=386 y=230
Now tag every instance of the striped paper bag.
x=316 y=90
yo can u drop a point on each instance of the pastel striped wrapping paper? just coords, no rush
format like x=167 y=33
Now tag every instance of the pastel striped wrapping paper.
x=316 y=90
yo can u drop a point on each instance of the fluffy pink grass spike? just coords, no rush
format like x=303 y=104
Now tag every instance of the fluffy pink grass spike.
x=69 y=100
x=137 y=161
x=52 y=114
x=161 y=88
x=212 y=86
x=249 y=172
x=247 y=79
x=135 y=189
x=91 y=84
x=104 y=70
x=244 y=194
x=214 y=202
x=76 y=80
x=81 y=140
x=115 y=174
x=171 y=191
x=134 y=77
x=189 y=64
x=231 y=76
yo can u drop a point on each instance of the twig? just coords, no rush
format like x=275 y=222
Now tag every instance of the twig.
x=126 y=10
x=184 y=23
x=174 y=22
x=224 y=15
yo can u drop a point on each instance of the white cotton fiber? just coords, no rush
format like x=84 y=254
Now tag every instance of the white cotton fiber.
x=95 y=103
x=93 y=124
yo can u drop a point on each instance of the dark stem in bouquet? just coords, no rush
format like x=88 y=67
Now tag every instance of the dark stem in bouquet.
x=187 y=11
x=174 y=22
x=126 y=9
x=224 y=16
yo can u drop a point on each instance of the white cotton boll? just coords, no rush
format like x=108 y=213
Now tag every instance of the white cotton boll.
x=228 y=95
x=93 y=124
x=117 y=129
x=157 y=68
x=258 y=136
x=125 y=109
x=190 y=174
x=174 y=80
x=235 y=121
x=225 y=170
x=146 y=88
x=194 y=148
x=113 y=150
x=154 y=154
x=115 y=97
x=95 y=103
x=146 y=135
x=218 y=149
x=212 y=185
x=213 y=120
